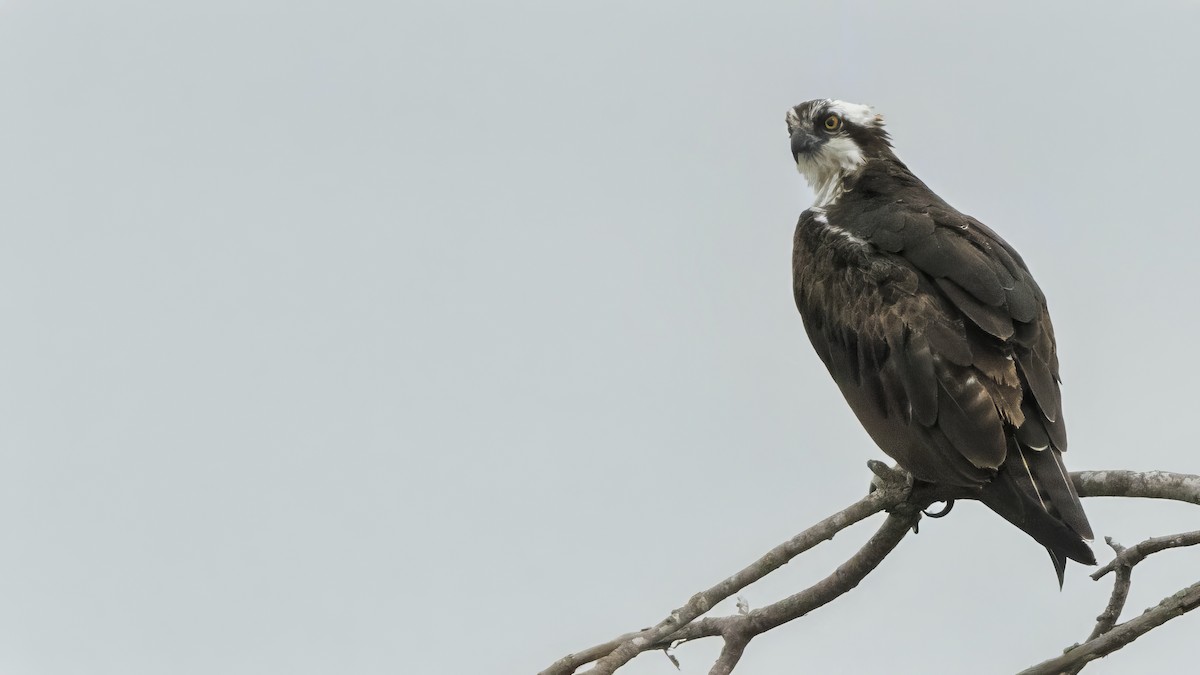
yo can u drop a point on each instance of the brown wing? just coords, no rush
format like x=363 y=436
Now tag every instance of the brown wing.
x=940 y=340
x=932 y=389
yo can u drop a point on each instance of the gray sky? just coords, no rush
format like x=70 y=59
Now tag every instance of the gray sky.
x=364 y=337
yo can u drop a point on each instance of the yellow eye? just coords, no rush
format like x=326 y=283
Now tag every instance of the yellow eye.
x=833 y=123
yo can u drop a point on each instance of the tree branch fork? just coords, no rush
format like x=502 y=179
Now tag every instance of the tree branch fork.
x=893 y=492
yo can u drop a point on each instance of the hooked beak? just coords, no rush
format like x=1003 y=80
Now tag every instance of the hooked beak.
x=803 y=143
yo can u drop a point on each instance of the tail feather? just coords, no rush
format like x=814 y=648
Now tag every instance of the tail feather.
x=1060 y=566
x=1071 y=511
x=1034 y=492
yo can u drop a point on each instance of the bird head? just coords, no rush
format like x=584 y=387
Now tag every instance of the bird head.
x=830 y=139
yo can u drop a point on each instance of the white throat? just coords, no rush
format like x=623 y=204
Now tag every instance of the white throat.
x=828 y=166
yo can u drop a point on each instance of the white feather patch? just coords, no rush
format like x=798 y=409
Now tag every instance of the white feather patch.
x=825 y=168
x=857 y=113
x=819 y=216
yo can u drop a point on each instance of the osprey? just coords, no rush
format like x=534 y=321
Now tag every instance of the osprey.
x=932 y=327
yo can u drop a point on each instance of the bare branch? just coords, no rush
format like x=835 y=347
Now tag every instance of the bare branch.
x=1122 y=565
x=567 y=664
x=731 y=653
x=1112 y=611
x=1120 y=593
x=1171 y=607
x=615 y=653
x=844 y=579
x=1129 y=557
x=738 y=629
x=1150 y=484
x=894 y=494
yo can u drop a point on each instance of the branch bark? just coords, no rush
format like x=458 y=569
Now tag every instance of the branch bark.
x=893 y=494
x=1171 y=607
x=844 y=579
x=892 y=489
x=1120 y=593
x=731 y=653
x=1128 y=557
x=1180 y=487
x=1122 y=566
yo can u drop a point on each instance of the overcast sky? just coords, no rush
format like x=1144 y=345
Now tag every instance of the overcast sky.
x=365 y=337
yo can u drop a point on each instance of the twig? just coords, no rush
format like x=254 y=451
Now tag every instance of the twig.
x=1171 y=607
x=1120 y=593
x=1128 y=557
x=1112 y=611
x=1122 y=565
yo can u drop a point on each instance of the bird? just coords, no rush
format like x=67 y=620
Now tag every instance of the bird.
x=932 y=327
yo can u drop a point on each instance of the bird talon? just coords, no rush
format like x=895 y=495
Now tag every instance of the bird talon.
x=887 y=477
x=942 y=513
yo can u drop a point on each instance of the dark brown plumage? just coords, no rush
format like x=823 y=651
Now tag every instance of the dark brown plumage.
x=933 y=328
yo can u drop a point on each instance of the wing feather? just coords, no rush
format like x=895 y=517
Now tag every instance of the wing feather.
x=941 y=342
x=994 y=320
x=968 y=417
